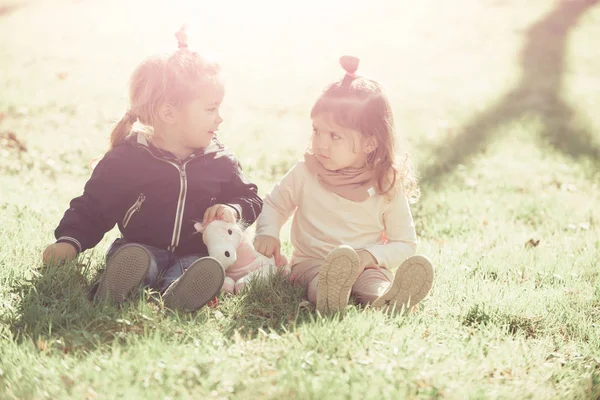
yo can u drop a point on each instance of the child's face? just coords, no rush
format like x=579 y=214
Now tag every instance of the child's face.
x=199 y=120
x=337 y=147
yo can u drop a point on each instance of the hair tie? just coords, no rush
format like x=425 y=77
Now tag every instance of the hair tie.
x=131 y=117
x=350 y=64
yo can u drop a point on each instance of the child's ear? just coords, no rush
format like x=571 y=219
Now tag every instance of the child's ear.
x=168 y=113
x=371 y=145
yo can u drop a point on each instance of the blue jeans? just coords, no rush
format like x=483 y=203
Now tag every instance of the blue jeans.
x=165 y=267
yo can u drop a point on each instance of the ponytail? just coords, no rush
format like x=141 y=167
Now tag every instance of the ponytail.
x=162 y=79
x=123 y=129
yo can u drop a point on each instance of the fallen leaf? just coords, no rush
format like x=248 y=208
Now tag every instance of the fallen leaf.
x=10 y=140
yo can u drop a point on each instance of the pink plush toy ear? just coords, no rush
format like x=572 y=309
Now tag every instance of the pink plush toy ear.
x=200 y=227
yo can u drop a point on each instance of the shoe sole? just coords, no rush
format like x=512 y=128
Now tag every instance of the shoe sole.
x=124 y=271
x=336 y=278
x=412 y=282
x=199 y=284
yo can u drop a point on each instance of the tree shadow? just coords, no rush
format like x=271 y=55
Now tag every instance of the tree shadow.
x=538 y=93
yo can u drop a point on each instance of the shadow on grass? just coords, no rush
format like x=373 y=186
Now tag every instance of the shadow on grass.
x=278 y=306
x=538 y=93
x=55 y=313
x=271 y=305
x=480 y=316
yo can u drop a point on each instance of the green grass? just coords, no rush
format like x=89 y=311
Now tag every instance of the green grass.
x=498 y=102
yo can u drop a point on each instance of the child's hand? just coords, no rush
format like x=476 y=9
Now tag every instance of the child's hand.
x=58 y=253
x=269 y=247
x=219 y=211
x=366 y=258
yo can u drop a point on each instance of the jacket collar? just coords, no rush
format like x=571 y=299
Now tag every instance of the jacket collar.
x=143 y=139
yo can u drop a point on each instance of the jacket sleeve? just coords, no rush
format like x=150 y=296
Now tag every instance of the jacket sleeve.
x=280 y=204
x=96 y=211
x=242 y=196
x=399 y=232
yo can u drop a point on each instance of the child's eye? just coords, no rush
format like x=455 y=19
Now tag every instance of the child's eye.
x=334 y=136
x=212 y=109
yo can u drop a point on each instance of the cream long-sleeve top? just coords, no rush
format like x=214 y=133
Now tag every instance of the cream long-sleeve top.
x=324 y=220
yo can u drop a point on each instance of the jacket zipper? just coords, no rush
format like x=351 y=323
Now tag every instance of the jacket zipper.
x=180 y=201
x=133 y=209
x=180 y=206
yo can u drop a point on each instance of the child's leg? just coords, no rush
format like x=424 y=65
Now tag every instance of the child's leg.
x=372 y=283
x=306 y=273
x=412 y=282
x=191 y=282
x=336 y=278
x=176 y=267
x=127 y=265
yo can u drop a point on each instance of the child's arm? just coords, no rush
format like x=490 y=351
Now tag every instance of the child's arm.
x=242 y=196
x=96 y=211
x=280 y=204
x=278 y=207
x=400 y=234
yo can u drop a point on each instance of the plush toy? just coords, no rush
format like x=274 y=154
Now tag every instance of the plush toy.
x=227 y=243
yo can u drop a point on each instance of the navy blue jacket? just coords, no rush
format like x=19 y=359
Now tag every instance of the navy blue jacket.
x=155 y=199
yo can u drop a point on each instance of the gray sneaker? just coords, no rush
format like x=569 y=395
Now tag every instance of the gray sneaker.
x=412 y=283
x=124 y=271
x=198 y=285
x=336 y=277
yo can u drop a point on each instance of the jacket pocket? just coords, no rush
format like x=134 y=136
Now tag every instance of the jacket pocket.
x=133 y=209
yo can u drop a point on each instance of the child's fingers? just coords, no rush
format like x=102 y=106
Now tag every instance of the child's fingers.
x=231 y=217
x=257 y=243
x=263 y=249
x=206 y=219
x=227 y=215
x=277 y=255
x=48 y=256
x=219 y=211
x=271 y=251
x=266 y=251
x=209 y=214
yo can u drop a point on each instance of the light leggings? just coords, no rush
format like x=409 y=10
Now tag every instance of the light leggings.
x=372 y=281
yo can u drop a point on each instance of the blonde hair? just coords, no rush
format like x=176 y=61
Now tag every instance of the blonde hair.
x=173 y=79
x=358 y=103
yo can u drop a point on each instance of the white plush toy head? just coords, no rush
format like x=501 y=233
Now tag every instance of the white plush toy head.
x=222 y=240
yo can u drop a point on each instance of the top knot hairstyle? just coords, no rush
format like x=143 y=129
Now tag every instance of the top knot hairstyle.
x=358 y=103
x=176 y=78
x=182 y=38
